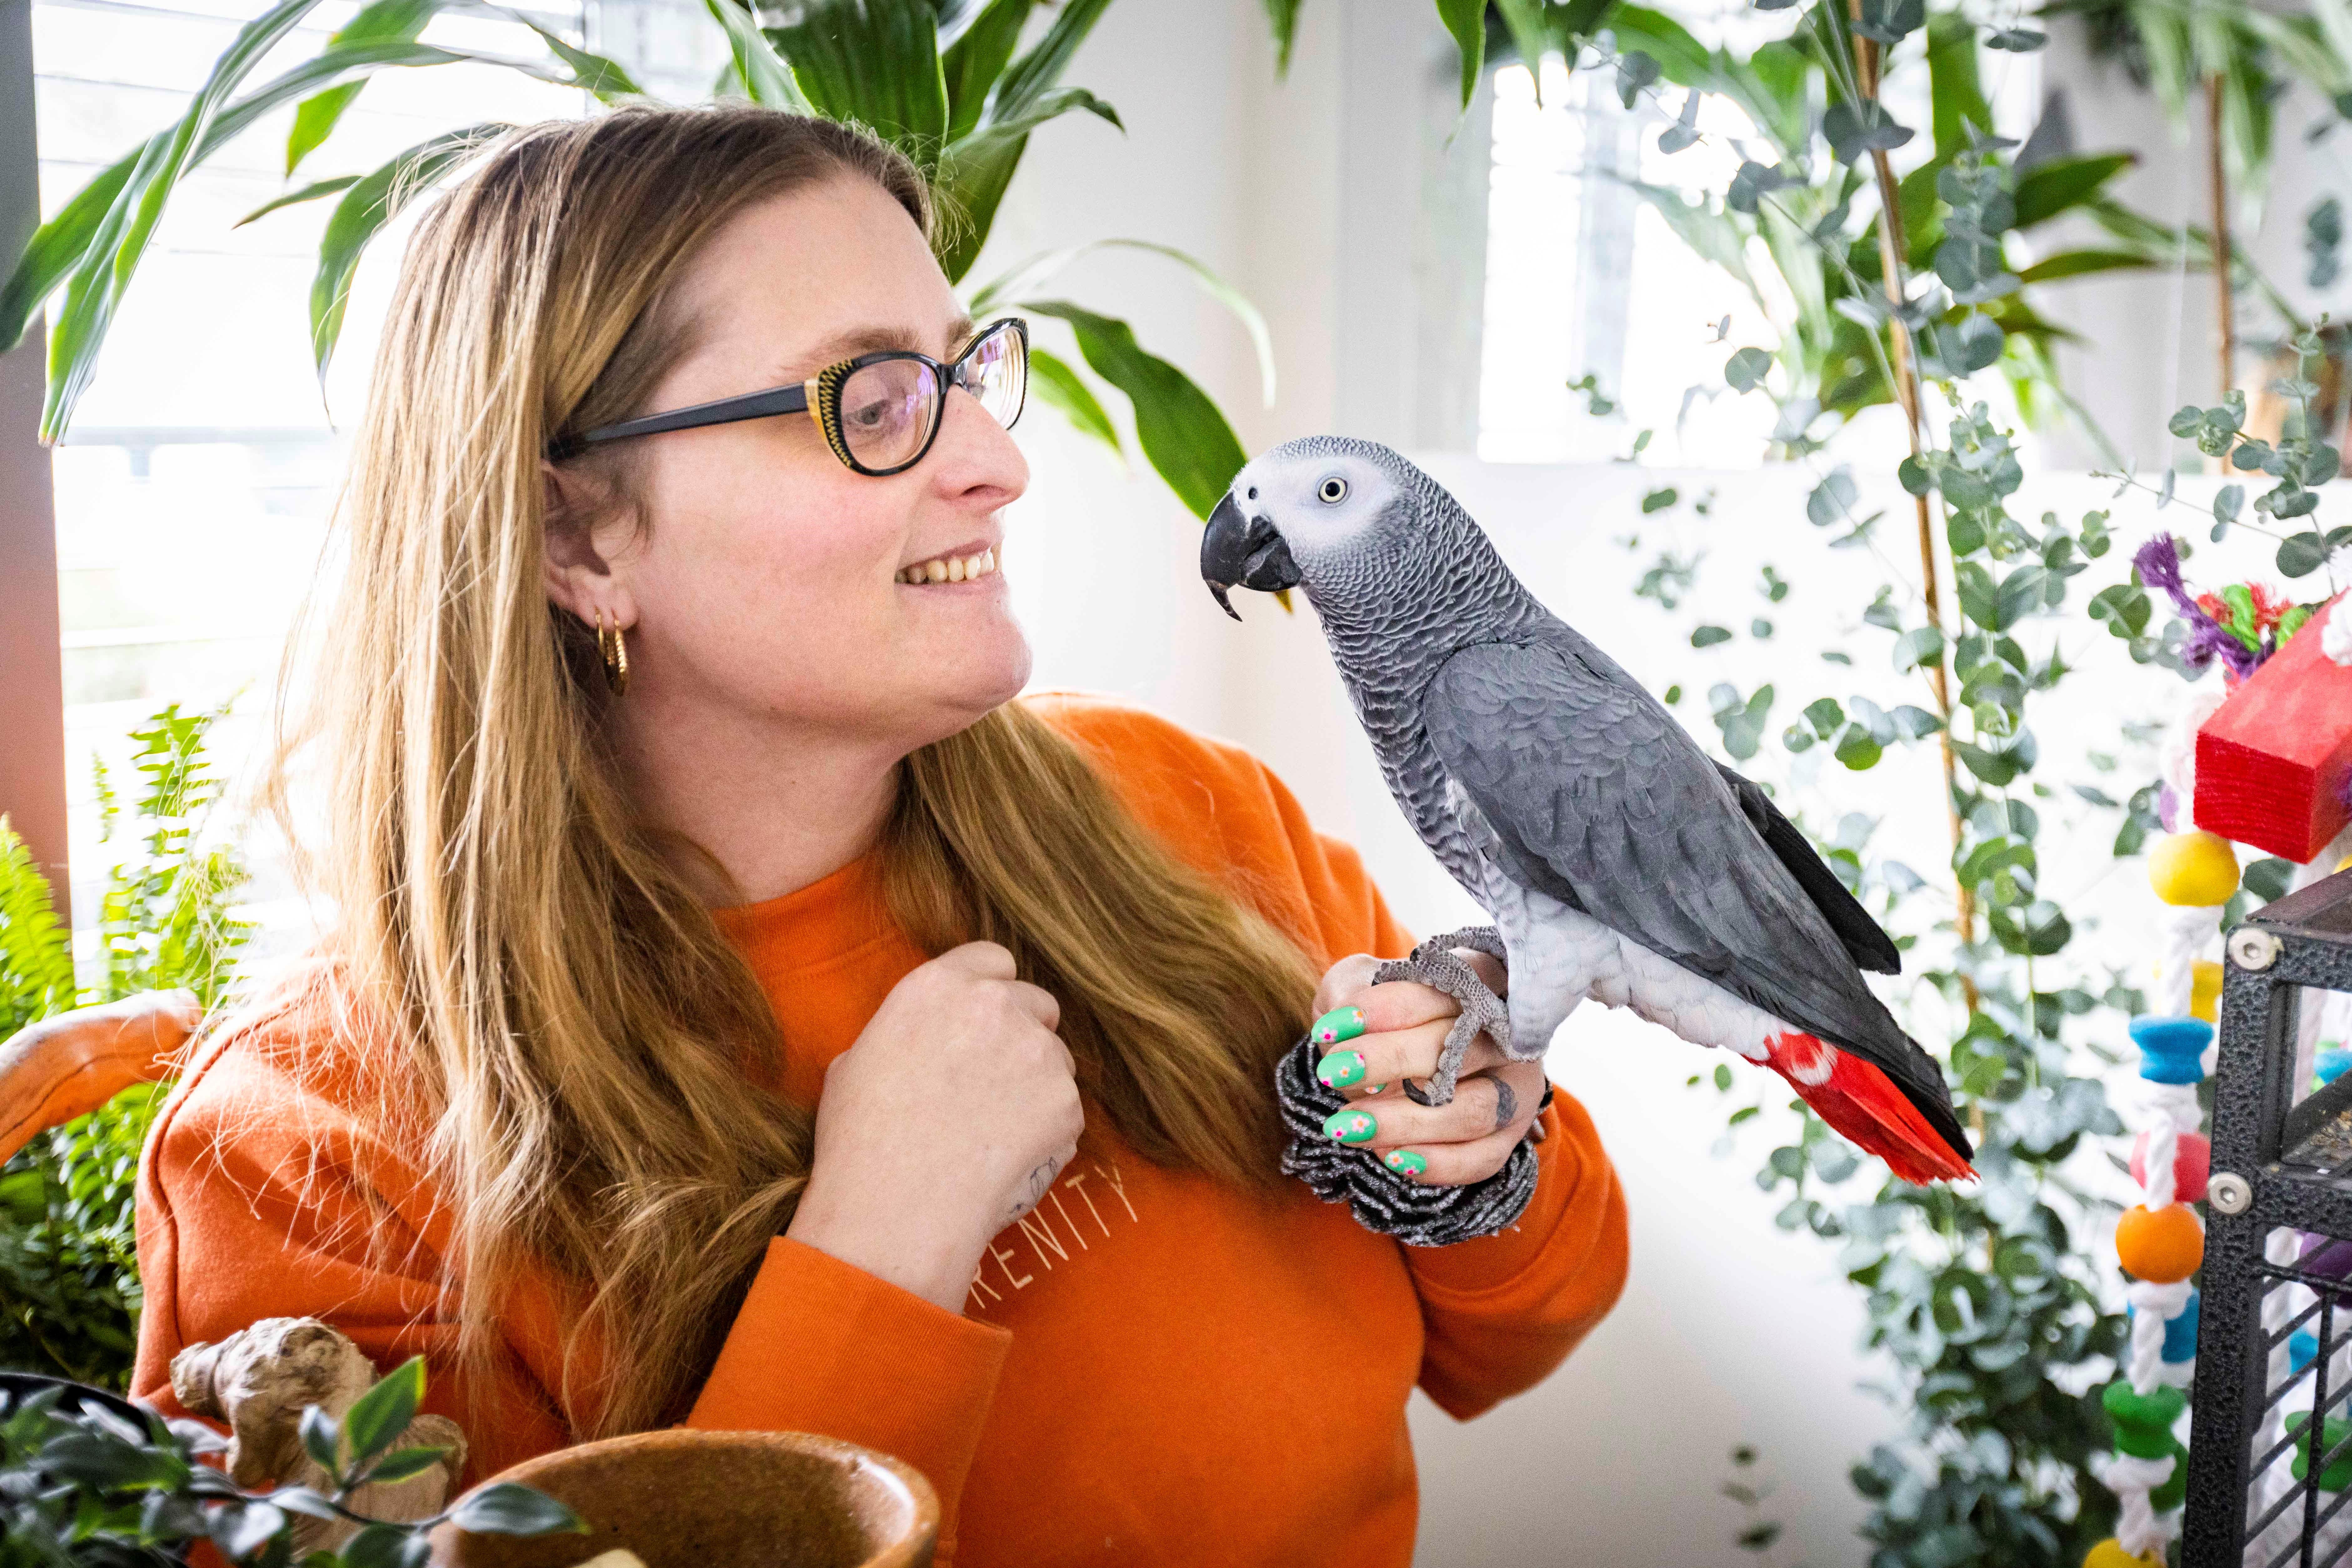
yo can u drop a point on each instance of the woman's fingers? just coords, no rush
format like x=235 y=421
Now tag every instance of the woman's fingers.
x=1372 y=1062
x=1473 y=1133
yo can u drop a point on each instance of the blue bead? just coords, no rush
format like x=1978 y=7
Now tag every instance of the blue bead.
x=2301 y=1347
x=2329 y=1065
x=2171 y=1050
x=2180 y=1334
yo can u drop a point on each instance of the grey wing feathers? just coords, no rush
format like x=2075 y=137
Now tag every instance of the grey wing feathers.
x=1600 y=799
x=1866 y=942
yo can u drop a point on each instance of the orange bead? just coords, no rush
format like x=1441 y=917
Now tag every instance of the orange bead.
x=2160 y=1245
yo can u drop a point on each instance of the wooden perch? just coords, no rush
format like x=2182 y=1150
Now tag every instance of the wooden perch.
x=57 y=1068
x=2274 y=760
x=259 y=1379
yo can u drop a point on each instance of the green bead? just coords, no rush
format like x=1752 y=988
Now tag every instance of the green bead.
x=2337 y=1476
x=2155 y=1410
x=2175 y=1491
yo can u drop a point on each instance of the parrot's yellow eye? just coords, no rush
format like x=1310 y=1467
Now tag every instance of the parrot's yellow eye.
x=1333 y=491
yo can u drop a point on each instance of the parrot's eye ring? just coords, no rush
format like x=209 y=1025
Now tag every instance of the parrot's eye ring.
x=1332 y=491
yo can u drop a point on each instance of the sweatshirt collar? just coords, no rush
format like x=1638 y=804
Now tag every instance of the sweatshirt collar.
x=839 y=912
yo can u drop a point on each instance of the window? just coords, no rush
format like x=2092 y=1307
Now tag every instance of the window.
x=1585 y=279
x=193 y=488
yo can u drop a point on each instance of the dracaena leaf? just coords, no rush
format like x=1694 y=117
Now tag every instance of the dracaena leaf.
x=1059 y=384
x=1184 y=434
x=309 y=192
x=873 y=62
x=762 y=72
x=384 y=21
x=371 y=203
x=121 y=239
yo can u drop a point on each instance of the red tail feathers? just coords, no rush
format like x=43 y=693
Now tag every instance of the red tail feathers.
x=1862 y=1103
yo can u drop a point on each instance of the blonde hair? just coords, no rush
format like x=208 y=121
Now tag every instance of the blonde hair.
x=581 y=1049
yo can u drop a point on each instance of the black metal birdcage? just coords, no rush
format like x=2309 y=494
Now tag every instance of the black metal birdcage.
x=2270 y=1449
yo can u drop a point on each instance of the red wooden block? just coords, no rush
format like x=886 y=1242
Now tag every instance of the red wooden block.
x=2273 y=760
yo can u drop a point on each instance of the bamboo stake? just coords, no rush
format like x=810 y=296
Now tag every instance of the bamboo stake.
x=2219 y=183
x=1891 y=261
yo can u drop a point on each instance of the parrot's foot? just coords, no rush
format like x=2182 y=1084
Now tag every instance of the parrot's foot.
x=1434 y=964
x=1389 y=1201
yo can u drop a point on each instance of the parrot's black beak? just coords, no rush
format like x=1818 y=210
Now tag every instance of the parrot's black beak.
x=1246 y=552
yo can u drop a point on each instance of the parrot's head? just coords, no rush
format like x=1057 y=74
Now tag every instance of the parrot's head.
x=1351 y=522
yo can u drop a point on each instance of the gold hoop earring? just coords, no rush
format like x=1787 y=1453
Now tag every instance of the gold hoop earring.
x=616 y=651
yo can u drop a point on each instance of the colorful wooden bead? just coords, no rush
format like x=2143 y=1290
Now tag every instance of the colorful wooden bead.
x=2337 y=1475
x=2302 y=1349
x=2110 y=1553
x=2181 y=1333
x=2193 y=870
x=2160 y=1244
x=2171 y=1050
x=2205 y=990
x=2327 y=1063
x=2192 y=1161
x=2143 y=1421
x=2329 y=1258
x=2174 y=1489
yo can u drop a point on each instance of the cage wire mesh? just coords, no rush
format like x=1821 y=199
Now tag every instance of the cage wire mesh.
x=2270 y=1452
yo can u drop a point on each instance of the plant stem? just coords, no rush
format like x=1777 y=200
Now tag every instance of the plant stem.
x=1907 y=391
x=2218 y=181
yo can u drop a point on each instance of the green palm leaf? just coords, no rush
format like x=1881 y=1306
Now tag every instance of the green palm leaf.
x=1019 y=283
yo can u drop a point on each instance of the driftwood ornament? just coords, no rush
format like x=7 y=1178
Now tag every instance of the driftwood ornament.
x=259 y=1379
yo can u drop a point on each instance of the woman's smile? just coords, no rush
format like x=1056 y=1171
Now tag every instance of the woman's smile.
x=966 y=563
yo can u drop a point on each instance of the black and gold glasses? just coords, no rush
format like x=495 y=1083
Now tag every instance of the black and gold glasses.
x=879 y=412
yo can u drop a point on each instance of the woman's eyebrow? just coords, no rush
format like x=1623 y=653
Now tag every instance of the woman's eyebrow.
x=864 y=340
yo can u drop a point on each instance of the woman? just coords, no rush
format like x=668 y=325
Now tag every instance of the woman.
x=740 y=1010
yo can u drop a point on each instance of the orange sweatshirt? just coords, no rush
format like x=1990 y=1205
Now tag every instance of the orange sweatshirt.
x=1145 y=1370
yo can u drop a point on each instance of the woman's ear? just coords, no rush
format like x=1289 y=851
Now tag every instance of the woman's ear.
x=580 y=576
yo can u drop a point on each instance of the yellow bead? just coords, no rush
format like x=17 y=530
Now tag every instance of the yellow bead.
x=2159 y=1245
x=2110 y=1553
x=2345 y=864
x=2193 y=870
x=2205 y=990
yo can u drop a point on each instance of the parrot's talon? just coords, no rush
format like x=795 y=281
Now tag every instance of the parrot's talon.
x=1434 y=965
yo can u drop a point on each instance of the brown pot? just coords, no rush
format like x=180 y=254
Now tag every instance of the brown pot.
x=687 y=1499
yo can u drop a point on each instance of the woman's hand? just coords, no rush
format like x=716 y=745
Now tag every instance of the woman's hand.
x=944 y=1121
x=1383 y=1034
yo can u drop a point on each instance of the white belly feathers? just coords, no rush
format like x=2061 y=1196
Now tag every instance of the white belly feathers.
x=1559 y=956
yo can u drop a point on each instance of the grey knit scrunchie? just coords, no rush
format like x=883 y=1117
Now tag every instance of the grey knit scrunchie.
x=1383 y=1200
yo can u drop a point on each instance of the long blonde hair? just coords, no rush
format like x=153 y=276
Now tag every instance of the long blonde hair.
x=580 y=1048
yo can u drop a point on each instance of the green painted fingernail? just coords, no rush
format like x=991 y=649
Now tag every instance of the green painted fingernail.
x=1405 y=1160
x=1341 y=1069
x=1339 y=1024
x=1374 y=1088
x=1352 y=1126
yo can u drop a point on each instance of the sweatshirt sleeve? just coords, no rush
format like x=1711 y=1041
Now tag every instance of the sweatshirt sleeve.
x=259 y=1198
x=822 y=1346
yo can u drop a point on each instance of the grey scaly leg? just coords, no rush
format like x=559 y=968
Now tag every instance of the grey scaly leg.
x=1433 y=965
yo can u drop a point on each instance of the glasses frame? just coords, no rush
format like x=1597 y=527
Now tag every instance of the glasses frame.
x=820 y=397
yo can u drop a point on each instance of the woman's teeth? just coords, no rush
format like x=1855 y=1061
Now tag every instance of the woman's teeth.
x=950 y=568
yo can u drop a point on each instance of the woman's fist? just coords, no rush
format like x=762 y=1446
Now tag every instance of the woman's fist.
x=944 y=1121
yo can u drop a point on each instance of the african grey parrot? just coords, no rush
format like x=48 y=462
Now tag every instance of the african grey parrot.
x=1616 y=860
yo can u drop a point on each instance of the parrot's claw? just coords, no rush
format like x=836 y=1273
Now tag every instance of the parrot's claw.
x=1434 y=964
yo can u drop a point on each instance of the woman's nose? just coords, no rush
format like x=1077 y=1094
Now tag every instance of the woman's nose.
x=978 y=460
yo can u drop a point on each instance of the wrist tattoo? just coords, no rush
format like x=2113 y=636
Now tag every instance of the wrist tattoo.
x=1040 y=1180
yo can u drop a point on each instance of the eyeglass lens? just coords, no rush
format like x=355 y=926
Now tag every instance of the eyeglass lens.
x=887 y=408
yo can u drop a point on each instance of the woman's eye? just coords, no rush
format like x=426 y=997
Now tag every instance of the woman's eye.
x=1333 y=491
